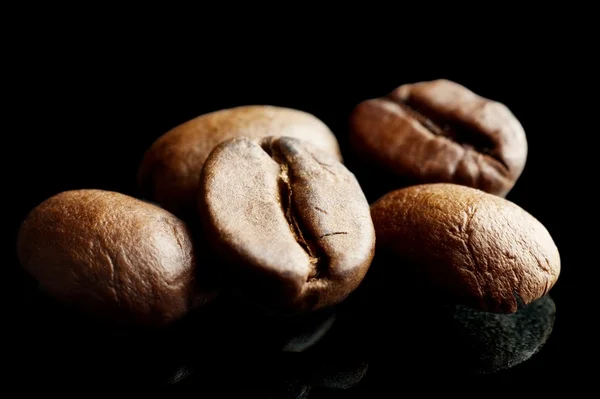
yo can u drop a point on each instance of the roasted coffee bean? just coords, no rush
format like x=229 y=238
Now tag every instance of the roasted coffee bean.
x=481 y=249
x=290 y=219
x=111 y=255
x=440 y=131
x=170 y=170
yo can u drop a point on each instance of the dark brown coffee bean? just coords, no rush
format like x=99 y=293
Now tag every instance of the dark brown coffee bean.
x=111 y=255
x=483 y=250
x=292 y=221
x=440 y=131
x=170 y=170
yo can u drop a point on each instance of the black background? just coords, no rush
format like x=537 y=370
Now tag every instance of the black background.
x=85 y=114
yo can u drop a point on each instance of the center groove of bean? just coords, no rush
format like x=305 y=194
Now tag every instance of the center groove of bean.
x=454 y=131
x=294 y=219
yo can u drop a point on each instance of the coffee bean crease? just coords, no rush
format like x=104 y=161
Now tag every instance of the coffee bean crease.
x=301 y=235
x=456 y=131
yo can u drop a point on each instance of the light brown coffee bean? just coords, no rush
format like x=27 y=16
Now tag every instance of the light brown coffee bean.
x=292 y=222
x=440 y=131
x=170 y=170
x=111 y=255
x=481 y=249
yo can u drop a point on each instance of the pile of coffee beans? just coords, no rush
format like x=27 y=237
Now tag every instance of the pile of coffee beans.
x=256 y=203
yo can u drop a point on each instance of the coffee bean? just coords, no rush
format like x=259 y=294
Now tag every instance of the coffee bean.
x=440 y=131
x=484 y=251
x=111 y=255
x=171 y=168
x=292 y=221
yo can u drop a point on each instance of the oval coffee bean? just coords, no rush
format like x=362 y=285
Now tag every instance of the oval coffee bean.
x=483 y=250
x=170 y=170
x=440 y=131
x=292 y=221
x=110 y=255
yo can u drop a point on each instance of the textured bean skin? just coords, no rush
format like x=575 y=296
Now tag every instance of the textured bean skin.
x=111 y=255
x=480 y=248
x=170 y=170
x=441 y=132
x=291 y=220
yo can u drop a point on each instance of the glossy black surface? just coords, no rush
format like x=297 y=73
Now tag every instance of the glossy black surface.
x=235 y=350
x=87 y=125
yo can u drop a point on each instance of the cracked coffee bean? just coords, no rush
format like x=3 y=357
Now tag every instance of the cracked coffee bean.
x=440 y=131
x=480 y=249
x=291 y=221
x=111 y=255
x=170 y=170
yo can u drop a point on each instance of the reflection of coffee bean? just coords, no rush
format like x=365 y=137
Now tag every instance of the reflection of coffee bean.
x=491 y=342
x=263 y=329
x=482 y=250
x=71 y=350
x=440 y=131
x=304 y=338
x=170 y=169
x=455 y=340
x=292 y=222
x=111 y=255
x=334 y=358
x=179 y=374
x=435 y=338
